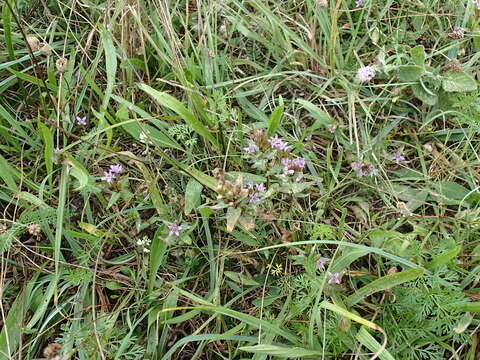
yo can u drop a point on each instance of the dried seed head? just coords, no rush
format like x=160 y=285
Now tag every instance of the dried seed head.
x=3 y=229
x=34 y=229
x=61 y=64
x=33 y=43
x=45 y=49
x=323 y=3
x=52 y=350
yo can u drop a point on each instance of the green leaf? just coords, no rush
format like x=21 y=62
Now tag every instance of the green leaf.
x=320 y=116
x=170 y=102
x=110 y=65
x=47 y=138
x=449 y=192
x=454 y=81
x=444 y=258
x=470 y=307
x=418 y=55
x=367 y=340
x=78 y=171
x=384 y=283
x=274 y=120
x=282 y=351
x=158 y=250
x=425 y=96
x=6 y=174
x=410 y=72
x=240 y=278
x=233 y=214
x=193 y=193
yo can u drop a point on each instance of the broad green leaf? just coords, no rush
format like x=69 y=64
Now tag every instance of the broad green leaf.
x=274 y=120
x=410 y=72
x=110 y=65
x=444 y=258
x=418 y=55
x=7 y=31
x=170 y=102
x=282 y=351
x=367 y=340
x=346 y=259
x=193 y=193
x=233 y=214
x=454 y=81
x=428 y=98
x=320 y=116
x=471 y=307
x=78 y=171
x=349 y=315
x=6 y=174
x=155 y=195
x=384 y=283
x=240 y=278
x=449 y=192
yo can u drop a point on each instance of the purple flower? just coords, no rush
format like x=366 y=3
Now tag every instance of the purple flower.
x=286 y=162
x=261 y=188
x=333 y=278
x=357 y=166
x=363 y=169
x=365 y=73
x=81 y=120
x=398 y=157
x=457 y=28
x=358 y=3
x=321 y=264
x=476 y=3
x=108 y=176
x=250 y=149
x=54 y=159
x=56 y=150
x=174 y=229
x=372 y=171
x=254 y=198
x=249 y=185
x=299 y=163
x=116 y=169
x=279 y=144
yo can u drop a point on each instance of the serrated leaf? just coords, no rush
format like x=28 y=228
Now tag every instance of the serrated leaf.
x=410 y=72
x=454 y=81
x=193 y=193
x=233 y=214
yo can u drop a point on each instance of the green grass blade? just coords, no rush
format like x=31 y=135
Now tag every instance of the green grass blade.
x=110 y=65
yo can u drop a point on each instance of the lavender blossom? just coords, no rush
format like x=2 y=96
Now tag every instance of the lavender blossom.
x=333 y=278
x=476 y=3
x=108 y=176
x=81 y=120
x=398 y=157
x=358 y=3
x=116 y=169
x=260 y=188
x=254 y=198
x=363 y=169
x=174 y=229
x=321 y=264
x=250 y=149
x=366 y=73
x=279 y=144
x=56 y=150
x=54 y=158
x=299 y=163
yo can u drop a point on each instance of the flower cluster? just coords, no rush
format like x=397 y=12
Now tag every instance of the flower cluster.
x=233 y=193
x=110 y=174
x=144 y=244
x=358 y=3
x=321 y=264
x=291 y=166
x=364 y=169
x=333 y=278
x=476 y=3
x=366 y=73
x=279 y=144
x=255 y=194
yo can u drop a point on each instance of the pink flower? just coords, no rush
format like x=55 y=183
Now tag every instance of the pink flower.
x=398 y=157
x=250 y=149
x=279 y=144
x=174 y=229
x=116 y=169
x=358 y=3
x=56 y=150
x=321 y=264
x=333 y=278
x=254 y=198
x=108 y=176
x=81 y=120
x=299 y=163
x=260 y=187
x=365 y=73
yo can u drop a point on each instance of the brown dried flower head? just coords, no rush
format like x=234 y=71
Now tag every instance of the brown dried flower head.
x=34 y=229
x=61 y=64
x=33 y=43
